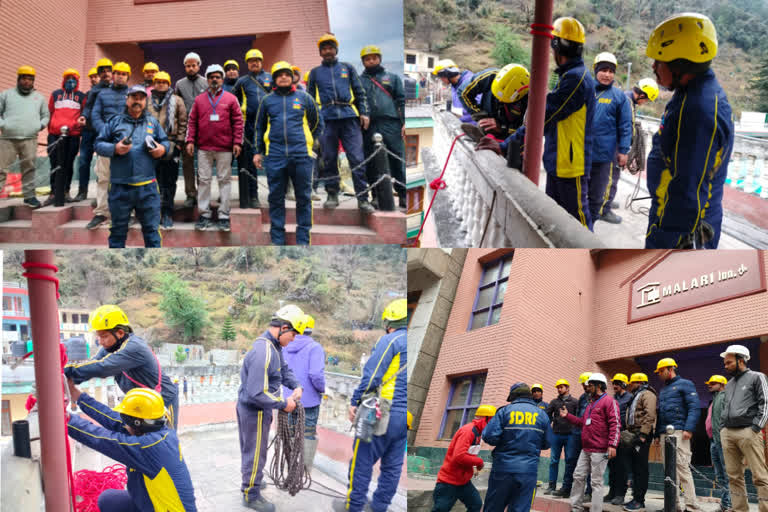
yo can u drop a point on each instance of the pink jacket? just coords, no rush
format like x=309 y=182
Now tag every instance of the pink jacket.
x=603 y=429
x=218 y=135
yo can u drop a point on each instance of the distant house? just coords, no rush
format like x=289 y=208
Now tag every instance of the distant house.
x=418 y=135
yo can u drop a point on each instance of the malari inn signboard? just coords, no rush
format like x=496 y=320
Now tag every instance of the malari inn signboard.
x=684 y=280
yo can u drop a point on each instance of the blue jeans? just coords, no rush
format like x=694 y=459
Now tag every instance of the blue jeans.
x=298 y=169
x=566 y=443
x=310 y=422
x=718 y=463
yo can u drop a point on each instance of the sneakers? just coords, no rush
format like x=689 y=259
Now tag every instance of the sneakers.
x=550 y=489
x=81 y=196
x=259 y=504
x=166 y=222
x=32 y=202
x=365 y=206
x=189 y=202
x=223 y=225
x=68 y=199
x=610 y=217
x=634 y=506
x=49 y=201
x=96 y=222
x=618 y=500
x=203 y=223
x=562 y=493
x=332 y=201
x=255 y=204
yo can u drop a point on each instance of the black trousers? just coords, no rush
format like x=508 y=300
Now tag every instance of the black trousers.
x=638 y=461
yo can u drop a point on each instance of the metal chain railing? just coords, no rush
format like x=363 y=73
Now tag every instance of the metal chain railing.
x=723 y=488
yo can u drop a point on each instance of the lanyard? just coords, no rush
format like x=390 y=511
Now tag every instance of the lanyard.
x=591 y=407
x=213 y=105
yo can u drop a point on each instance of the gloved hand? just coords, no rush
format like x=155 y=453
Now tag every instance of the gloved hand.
x=488 y=143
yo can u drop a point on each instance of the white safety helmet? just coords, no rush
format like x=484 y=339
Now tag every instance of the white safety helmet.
x=192 y=56
x=598 y=377
x=739 y=350
x=214 y=68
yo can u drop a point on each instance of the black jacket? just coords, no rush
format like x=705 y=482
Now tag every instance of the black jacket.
x=745 y=401
x=561 y=425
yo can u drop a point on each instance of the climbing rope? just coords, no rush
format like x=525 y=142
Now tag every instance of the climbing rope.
x=287 y=470
x=90 y=484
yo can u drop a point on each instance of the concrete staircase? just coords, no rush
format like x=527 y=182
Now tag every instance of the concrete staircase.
x=65 y=226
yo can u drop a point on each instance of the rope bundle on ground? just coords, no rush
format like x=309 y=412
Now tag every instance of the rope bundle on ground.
x=287 y=470
x=90 y=484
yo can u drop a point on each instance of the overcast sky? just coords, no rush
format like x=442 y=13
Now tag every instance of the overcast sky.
x=358 y=24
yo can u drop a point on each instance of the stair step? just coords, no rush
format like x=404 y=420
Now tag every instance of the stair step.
x=323 y=234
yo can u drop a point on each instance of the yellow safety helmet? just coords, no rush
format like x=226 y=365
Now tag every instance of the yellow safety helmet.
x=71 y=72
x=293 y=315
x=621 y=378
x=123 y=67
x=296 y=69
x=232 y=62
x=150 y=66
x=306 y=76
x=649 y=87
x=605 y=57
x=253 y=54
x=309 y=323
x=584 y=377
x=104 y=63
x=395 y=310
x=570 y=29
x=717 y=379
x=281 y=66
x=409 y=419
x=638 y=377
x=690 y=35
x=93 y=72
x=665 y=363
x=328 y=38
x=537 y=386
x=486 y=411
x=106 y=317
x=26 y=70
x=371 y=49
x=161 y=76
x=143 y=403
x=511 y=83
x=562 y=382
x=443 y=64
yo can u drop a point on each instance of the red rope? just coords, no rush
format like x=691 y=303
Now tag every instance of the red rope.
x=90 y=484
x=548 y=28
x=30 y=275
x=437 y=185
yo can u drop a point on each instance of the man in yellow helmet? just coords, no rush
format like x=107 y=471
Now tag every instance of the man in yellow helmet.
x=231 y=75
x=461 y=463
x=450 y=75
x=149 y=70
x=127 y=358
x=386 y=99
x=618 y=467
x=135 y=433
x=104 y=73
x=640 y=419
x=23 y=114
x=384 y=380
x=563 y=438
x=716 y=386
x=679 y=406
x=689 y=156
x=336 y=88
x=297 y=78
x=93 y=76
x=584 y=400
x=264 y=370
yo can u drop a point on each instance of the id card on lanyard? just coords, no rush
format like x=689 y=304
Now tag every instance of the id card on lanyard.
x=214 y=117
x=590 y=408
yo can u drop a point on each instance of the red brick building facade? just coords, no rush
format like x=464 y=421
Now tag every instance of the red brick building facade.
x=563 y=312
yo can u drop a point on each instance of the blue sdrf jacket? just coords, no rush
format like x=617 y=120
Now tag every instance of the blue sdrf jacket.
x=568 y=121
x=137 y=166
x=286 y=124
x=519 y=431
x=264 y=370
x=158 y=478
x=612 y=124
x=678 y=405
x=389 y=355
x=337 y=89
x=688 y=163
x=250 y=89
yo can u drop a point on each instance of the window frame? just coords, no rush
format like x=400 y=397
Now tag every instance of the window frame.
x=495 y=284
x=467 y=405
x=411 y=56
x=412 y=145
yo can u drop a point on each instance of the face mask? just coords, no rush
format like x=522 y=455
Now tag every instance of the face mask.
x=70 y=84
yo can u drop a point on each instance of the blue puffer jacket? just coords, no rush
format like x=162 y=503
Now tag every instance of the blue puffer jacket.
x=519 y=431
x=612 y=124
x=109 y=102
x=337 y=90
x=568 y=123
x=136 y=166
x=90 y=101
x=678 y=406
x=688 y=163
x=286 y=124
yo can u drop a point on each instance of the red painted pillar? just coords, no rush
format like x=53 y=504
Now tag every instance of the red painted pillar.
x=44 y=320
x=534 y=130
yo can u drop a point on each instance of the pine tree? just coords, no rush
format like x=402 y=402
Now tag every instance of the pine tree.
x=228 y=331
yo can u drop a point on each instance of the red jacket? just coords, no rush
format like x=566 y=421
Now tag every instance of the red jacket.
x=457 y=466
x=603 y=430
x=65 y=107
x=218 y=135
